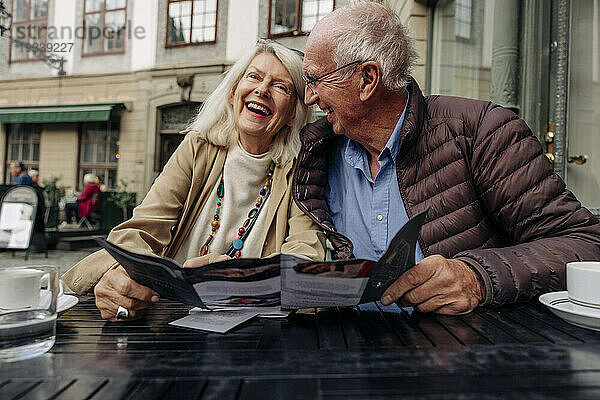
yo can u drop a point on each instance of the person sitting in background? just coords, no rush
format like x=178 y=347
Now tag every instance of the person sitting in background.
x=35 y=177
x=18 y=170
x=87 y=201
x=101 y=183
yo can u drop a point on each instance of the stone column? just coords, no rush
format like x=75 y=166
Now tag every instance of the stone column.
x=505 y=54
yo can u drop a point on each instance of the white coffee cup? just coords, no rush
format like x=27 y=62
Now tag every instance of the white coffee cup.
x=20 y=288
x=583 y=283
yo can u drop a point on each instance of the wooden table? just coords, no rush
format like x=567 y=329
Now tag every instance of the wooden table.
x=364 y=352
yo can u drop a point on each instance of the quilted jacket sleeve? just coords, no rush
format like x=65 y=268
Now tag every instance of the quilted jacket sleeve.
x=543 y=223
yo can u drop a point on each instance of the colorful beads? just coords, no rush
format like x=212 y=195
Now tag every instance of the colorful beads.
x=244 y=230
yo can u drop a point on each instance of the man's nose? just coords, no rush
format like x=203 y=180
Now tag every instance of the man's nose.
x=310 y=98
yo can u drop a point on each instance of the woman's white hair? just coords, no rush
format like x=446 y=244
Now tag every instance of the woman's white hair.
x=374 y=33
x=90 y=178
x=215 y=121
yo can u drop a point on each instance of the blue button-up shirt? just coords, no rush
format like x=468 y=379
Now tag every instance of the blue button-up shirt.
x=368 y=211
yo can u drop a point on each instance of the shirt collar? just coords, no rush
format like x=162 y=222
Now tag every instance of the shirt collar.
x=355 y=154
x=393 y=144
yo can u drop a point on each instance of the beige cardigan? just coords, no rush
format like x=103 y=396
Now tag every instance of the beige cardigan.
x=167 y=214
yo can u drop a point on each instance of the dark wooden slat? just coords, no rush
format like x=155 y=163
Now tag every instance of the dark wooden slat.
x=185 y=389
x=329 y=330
x=453 y=384
x=549 y=332
x=400 y=321
x=270 y=337
x=49 y=388
x=115 y=389
x=148 y=389
x=80 y=388
x=18 y=388
x=299 y=332
x=148 y=347
x=380 y=330
x=433 y=330
x=562 y=394
x=491 y=332
x=222 y=389
x=355 y=331
x=521 y=333
x=463 y=332
x=276 y=389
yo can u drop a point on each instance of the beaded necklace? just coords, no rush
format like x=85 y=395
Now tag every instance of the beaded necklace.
x=235 y=249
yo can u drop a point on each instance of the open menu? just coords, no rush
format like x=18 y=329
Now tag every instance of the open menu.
x=286 y=280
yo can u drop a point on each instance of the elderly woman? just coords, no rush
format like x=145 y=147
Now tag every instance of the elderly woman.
x=226 y=191
x=87 y=201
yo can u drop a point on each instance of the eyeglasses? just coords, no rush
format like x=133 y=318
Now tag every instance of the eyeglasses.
x=269 y=40
x=310 y=83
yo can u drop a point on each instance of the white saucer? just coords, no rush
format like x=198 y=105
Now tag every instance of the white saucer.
x=559 y=304
x=64 y=302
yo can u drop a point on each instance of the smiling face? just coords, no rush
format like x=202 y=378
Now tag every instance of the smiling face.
x=337 y=97
x=263 y=102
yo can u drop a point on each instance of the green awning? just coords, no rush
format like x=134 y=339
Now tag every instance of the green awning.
x=50 y=114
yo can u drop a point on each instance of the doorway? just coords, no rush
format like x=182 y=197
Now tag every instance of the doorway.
x=172 y=119
x=574 y=101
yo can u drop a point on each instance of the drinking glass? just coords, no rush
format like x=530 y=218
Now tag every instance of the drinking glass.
x=28 y=298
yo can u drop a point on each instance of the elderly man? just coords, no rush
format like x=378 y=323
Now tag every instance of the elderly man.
x=501 y=224
x=19 y=171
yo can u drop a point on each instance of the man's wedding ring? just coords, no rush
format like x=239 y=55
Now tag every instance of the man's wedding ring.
x=122 y=313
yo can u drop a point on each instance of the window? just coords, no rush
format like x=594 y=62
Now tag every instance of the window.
x=30 y=25
x=104 y=22
x=295 y=17
x=461 y=47
x=23 y=144
x=172 y=120
x=191 y=22
x=462 y=19
x=99 y=152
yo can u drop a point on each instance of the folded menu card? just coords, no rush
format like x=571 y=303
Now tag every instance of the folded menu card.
x=283 y=279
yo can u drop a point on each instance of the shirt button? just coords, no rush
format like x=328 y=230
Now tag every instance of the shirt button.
x=379 y=217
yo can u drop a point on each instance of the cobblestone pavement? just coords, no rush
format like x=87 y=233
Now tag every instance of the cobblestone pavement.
x=63 y=259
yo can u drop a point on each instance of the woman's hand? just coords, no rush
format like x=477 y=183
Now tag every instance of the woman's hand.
x=116 y=288
x=205 y=260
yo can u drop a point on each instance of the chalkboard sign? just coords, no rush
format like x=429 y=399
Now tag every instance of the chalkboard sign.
x=17 y=217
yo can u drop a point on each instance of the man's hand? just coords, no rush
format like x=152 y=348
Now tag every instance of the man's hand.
x=205 y=260
x=116 y=288
x=437 y=284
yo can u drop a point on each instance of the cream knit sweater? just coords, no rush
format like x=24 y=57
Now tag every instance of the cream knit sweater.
x=244 y=174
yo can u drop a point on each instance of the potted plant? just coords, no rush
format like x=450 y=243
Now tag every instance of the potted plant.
x=123 y=199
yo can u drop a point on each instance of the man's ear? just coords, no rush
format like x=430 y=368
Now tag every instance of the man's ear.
x=290 y=122
x=370 y=77
x=232 y=94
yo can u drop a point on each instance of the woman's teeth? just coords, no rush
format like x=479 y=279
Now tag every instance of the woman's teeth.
x=257 y=108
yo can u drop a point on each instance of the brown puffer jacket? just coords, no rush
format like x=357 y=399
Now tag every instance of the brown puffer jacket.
x=495 y=202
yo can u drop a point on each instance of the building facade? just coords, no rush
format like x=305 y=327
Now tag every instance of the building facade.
x=137 y=71
x=540 y=58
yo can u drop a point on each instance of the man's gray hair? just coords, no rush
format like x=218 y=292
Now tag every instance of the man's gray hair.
x=374 y=33
x=215 y=121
